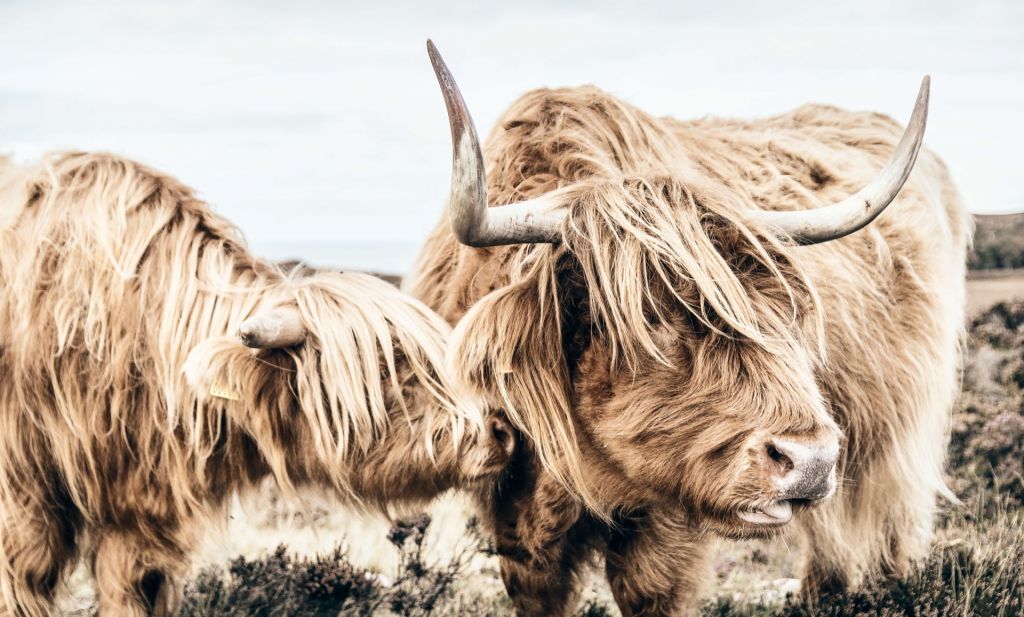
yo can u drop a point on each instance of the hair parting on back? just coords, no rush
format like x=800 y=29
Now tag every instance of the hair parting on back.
x=652 y=230
x=119 y=289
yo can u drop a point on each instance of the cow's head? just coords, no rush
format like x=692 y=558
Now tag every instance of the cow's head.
x=338 y=379
x=653 y=325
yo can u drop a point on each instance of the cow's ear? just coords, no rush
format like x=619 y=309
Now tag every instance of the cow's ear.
x=224 y=368
x=216 y=368
x=508 y=348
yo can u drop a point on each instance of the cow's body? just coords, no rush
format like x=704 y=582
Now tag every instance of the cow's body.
x=891 y=310
x=116 y=282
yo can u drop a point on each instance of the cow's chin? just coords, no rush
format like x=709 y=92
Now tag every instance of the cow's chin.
x=762 y=520
x=485 y=463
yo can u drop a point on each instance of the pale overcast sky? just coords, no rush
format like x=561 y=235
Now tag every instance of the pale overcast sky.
x=318 y=128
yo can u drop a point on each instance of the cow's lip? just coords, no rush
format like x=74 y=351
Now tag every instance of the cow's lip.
x=776 y=513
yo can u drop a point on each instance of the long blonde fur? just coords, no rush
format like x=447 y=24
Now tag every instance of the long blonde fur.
x=128 y=406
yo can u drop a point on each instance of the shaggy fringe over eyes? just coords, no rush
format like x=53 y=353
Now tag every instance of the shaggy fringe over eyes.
x=648 y=233
x=362 y=332
x=646 y=247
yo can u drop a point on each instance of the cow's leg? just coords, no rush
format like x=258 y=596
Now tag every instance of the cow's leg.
x=657 y=565
x=540 y=591
x=548 y=588
x=542 y=537
x=881 y=520
x=134 y=575
x=830 y=564
x=38 y=546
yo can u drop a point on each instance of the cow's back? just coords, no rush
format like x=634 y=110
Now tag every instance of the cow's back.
x=109 y=275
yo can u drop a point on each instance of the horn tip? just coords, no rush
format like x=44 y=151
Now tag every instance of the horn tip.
x=435 y=57
x=923 y=98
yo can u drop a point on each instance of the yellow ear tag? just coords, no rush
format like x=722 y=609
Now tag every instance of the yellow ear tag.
x=221 y=391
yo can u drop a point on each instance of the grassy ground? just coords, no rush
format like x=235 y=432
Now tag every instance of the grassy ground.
x=334 y=561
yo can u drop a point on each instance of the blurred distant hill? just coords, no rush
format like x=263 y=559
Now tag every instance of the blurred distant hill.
x=998 y=242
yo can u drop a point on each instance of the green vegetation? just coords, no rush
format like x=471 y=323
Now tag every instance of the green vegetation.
x=998 y=242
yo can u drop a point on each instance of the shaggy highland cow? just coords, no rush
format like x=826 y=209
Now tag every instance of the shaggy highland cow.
x=693 y=342
x=130 y=409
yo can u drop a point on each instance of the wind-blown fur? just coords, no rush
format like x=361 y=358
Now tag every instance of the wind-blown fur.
x=116 y=282
x=648 y=356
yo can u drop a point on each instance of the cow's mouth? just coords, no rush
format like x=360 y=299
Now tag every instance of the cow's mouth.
x=776 y=514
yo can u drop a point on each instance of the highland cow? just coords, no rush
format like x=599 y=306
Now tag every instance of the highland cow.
x=696 y=333
x=150 y=366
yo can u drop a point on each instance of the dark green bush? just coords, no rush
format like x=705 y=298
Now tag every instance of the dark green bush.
x=998 y=242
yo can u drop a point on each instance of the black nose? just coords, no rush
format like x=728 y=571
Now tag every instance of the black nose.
x=803 y=468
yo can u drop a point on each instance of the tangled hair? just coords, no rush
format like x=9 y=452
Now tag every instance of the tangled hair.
x=377 y=341
x=115 y=280
x=657 y=354
x=651 y=232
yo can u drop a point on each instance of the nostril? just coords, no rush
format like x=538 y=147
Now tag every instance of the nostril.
x=781 y=463
x=803 y=468
x=503 y=435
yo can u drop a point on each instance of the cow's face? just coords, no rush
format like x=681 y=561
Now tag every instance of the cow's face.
x=700 y=388
x=433 y=442
x=342 y=383
x=736 y=434
x=690 y=377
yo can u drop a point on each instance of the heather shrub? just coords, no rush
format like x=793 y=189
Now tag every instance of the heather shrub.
x=986 y=456
x=420 y=588
x=976 y=574
x=955 y=580
x=594 y=608
x=281 y=585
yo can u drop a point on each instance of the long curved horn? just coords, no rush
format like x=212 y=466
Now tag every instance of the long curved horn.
x=540 y=219
x=536 y=220
x=273 y=329
x=858 y=210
